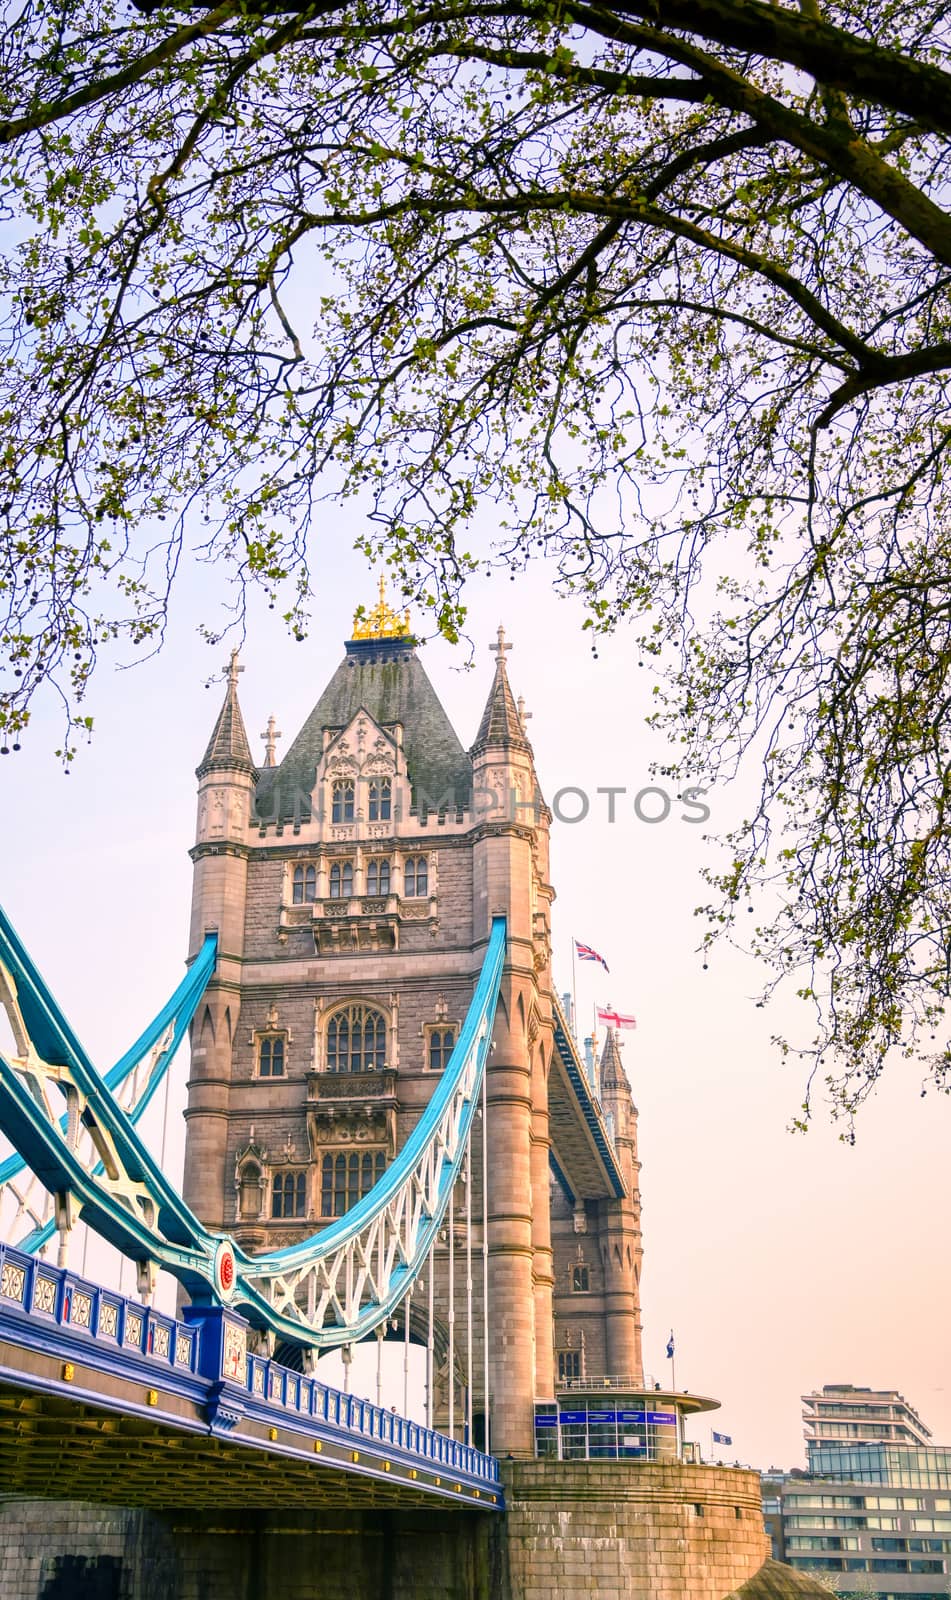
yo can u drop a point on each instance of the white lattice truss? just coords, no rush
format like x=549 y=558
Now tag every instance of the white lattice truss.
x=354 y=1284
x=28 y=1212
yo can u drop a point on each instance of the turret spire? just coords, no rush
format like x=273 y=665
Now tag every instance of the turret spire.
x=501 y=723
x=612 y=1073
x=228 y=747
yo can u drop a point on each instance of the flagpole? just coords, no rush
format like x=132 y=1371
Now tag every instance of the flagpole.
x=574 y=991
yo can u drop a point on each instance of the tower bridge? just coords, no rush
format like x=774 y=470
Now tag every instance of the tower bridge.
x=390 y=1130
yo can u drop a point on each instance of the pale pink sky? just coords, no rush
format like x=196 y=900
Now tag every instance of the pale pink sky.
x=782 y=1262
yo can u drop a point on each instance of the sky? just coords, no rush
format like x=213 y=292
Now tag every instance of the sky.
x=780 y=1261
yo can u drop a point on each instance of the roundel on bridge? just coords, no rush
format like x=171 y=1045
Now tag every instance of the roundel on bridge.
x=224 y=1271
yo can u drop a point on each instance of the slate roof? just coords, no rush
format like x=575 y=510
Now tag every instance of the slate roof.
x=384 y=677
x=228 y=746
x=501 y=723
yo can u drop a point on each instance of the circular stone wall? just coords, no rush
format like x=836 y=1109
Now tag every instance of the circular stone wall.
x=622 y=1530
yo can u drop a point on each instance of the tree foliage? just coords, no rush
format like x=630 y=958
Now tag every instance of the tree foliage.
x=666 y=287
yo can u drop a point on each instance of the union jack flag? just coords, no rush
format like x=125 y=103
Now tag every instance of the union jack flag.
x=585 y=953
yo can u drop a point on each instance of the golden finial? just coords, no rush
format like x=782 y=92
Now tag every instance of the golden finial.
x=382 y=622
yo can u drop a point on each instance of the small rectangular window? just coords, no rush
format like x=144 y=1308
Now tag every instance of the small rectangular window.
x=579 y=1279
x=341 y=880
x=342 y=800
x=289 y=1194
x=416 y=878
x=380 y=801
x=271 y=1055
x=441 y=1044
x=305 y=884
x=378 y=877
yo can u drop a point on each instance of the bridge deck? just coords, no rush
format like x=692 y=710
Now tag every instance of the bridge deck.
x=103 y=1399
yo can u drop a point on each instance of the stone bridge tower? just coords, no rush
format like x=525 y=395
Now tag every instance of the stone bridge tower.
x=353 y=886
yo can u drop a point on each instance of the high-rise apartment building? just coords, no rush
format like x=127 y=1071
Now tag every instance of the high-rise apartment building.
x=872 y=1515
x=840 y=1414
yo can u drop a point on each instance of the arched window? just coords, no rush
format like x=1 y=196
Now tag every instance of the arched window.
x=249 y=1192
x=271 y=1055
x=346 y=1176
x=441 y=1042
x=416 y=877
x=356 y=1040
x=341 y=809
x=289 y=1194
x=341 y=880
x=579 y=1278
x=305 y=884
x=380 y=800
x=378 y=877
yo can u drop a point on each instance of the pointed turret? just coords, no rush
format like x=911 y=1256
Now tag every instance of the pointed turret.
x=219 y=898
x=502 y=725
x=510 y=875
x=228 y=748
x=613 y=1076
x=622 y=1218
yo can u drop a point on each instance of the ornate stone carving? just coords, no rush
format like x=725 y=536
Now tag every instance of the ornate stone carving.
x=380 y=764
x=342 y=765
x=533 y=1022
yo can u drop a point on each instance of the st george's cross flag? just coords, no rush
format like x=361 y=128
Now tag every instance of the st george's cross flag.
x=615 y=1019
x=585 y=953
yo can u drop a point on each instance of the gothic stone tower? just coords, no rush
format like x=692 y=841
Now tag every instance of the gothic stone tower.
x=353 y=887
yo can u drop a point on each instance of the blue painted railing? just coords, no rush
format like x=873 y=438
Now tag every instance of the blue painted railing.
x=56 y=1312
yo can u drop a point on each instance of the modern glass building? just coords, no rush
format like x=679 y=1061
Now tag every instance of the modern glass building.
x=873 y=1513
x=840 y=1414
x=922 y=1467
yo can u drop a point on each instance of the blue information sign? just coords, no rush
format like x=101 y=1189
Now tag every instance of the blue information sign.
x=574 y=1416
x=669 y=1417
x=602 y=1416
x=547 y=1420
x=632 y=1416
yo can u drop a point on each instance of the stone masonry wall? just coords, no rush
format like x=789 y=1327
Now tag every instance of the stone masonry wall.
x=625 y=1531
x=71 y=1551
x=572 y=1530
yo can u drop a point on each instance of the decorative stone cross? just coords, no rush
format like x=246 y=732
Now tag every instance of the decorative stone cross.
x=500 y=648
x=270 y=738
x=233 y=669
